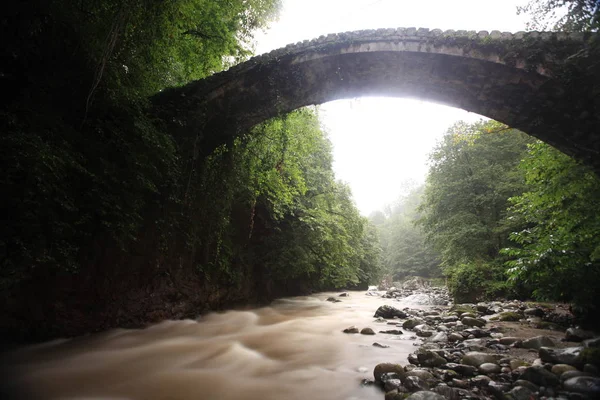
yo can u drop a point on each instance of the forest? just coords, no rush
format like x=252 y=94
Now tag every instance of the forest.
x=106 y=205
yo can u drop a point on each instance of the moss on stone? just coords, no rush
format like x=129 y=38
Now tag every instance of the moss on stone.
x=509 y=316
x=591 y=355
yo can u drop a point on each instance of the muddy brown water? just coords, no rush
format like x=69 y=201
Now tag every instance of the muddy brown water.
x=293 y=349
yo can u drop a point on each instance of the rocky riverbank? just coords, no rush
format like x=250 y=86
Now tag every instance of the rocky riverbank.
x=493 y=350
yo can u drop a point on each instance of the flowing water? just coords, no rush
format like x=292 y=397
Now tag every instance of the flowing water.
x=293 y=349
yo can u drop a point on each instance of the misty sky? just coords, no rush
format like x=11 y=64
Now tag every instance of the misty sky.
x=382 y=143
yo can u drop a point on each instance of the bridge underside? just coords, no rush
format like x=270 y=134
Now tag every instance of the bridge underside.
x=566 y=116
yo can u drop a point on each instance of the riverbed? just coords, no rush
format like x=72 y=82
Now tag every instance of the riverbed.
x=292 y=349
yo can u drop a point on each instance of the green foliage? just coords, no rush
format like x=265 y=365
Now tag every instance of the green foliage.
x=475 y=281
x=562 y=15
x=473 y=173
x=280 y=211
x=559 y=252
x=83 y=162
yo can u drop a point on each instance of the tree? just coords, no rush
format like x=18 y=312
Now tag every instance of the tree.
x=562 y=15
x=559 y=253
x=473 y=173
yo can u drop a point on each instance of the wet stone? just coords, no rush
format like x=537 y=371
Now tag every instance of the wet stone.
x=521 y=393
x=462 y=369
x=578 y=335
x=383 y=368
x=529 y=385
x=476 y=358
x=367 y=331
x=389 y=312
x=351 y=329
x=559 y=369
x=383 y=346
x=489 y=368
x=392 y=332
x=587 y=385
x=537 y=342
x=567 y=355
x=430 y=359
x=472 y=322
x=540 y=376
x=425 y=395
x=414 y=383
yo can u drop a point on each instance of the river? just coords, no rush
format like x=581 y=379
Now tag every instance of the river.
x=292 y=349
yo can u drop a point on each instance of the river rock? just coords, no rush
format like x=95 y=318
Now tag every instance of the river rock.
x=383 y=368
x=559 y=369
x=455 y=337
x=392 y=332
x=508 y=340
x=588 y=385
x=425 y=395
x=529 y=385
x=567 y=355
x=439 y=337
x=463 y=369
x=475 y=358
x=592 y=369
x=446 y=391
x=472 y=322
x=383 y=346
x=537 y=342
x=430 y=359
x=411 y=323
x=572 y=374
x=351 y=329
x=489 y=368
x=423 y=330
x=367 y=331
x=421 y=373
x=521 y=393
x=578 y=335
x=414 y=383
x=389 y=312
x=333 y=300
x=540 y=376
x=534 y=312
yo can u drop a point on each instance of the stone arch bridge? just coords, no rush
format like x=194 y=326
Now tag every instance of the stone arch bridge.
x=545 y=84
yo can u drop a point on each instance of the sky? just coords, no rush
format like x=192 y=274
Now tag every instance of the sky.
x=382 y=144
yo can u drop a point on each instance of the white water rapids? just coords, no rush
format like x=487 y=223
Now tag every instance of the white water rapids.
x=292 y=349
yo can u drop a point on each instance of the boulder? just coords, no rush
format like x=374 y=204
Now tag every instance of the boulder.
x=389 y=312
x=430 y=359
x=587 y=385
x=383 y=368
x=567 y=355
x=559 y=369
x=489 y=368
x=367 y=331
x=475 y=358
x=472 y=322
x=351 y=329
x=537 y=342
x=578 y=335
x=425 y=395
x=521 y=393
x=540 y=376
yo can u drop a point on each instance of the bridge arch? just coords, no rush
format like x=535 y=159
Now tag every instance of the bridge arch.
x=545 y=84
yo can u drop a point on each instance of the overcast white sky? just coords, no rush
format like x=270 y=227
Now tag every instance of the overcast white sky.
x=381 y=143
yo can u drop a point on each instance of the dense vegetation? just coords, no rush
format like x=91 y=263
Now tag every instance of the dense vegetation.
x=509 y=215
x=103 y=199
